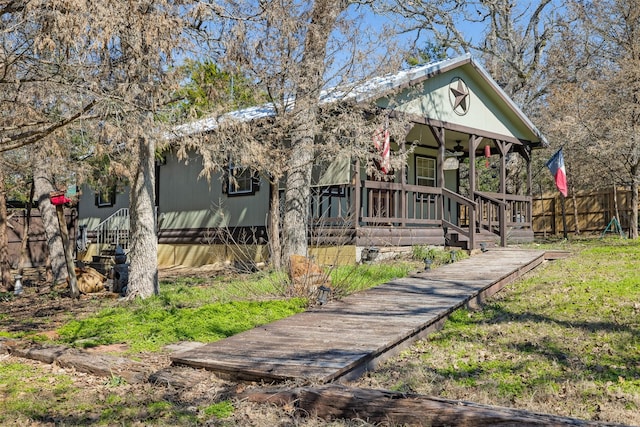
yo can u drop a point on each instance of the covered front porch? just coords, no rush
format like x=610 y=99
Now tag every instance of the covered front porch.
x=435 y=198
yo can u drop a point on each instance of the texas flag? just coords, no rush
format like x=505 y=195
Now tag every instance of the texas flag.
x=556 y=166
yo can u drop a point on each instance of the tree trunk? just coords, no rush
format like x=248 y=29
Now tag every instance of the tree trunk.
x=275 y=247
x=633 y=223
x=143 y=257
x=43 y=184
x=298 y=193
x=298 y=185
x=5 y=265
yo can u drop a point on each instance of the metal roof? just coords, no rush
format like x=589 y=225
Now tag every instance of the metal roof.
x=369 y=90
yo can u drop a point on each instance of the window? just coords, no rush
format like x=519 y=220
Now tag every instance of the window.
x=106 y=198
x=425 y=171
x=240 y=181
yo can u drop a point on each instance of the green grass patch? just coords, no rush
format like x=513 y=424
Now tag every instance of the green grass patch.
x=350 y=279
x=193 y=291
x=26 y=392
x=150 y=324
x=220 y=410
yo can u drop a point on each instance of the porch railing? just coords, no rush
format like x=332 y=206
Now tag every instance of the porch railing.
x=403 y=205
x=114 y=231
x=398 y=204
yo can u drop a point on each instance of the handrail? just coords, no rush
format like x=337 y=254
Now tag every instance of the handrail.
x=459 y=198
x=380 y=185
x=119 y=213
x=486 y=217
x=114 y=230
x=380 y=203
x=470 y=233
x=489 y=198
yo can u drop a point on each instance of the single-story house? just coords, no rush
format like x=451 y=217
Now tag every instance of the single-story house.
x=457 y=112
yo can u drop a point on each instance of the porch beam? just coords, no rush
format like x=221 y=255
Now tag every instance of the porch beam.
x=464 y=129
x=503 y=146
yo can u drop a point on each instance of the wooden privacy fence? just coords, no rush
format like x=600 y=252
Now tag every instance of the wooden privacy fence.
x=37 y=243
x=590 y=211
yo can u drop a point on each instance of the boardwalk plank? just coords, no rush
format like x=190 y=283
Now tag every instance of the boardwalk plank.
x=347 y=336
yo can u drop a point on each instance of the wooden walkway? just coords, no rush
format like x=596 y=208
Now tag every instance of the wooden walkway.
x=343 y=339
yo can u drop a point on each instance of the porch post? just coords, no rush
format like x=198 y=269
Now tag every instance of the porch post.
x=356 y=196
x=526 y=153
x=439 y=135
x=504 y=148
x=474 y=142
x=403 y=192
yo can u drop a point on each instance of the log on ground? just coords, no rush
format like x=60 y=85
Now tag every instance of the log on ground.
x=395 y=408
x=106 y=366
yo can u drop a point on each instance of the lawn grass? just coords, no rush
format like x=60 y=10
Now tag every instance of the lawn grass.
x=193 y=309
x=565 y=340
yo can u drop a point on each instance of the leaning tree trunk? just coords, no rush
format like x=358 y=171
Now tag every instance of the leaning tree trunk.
x=298 y=185
x=143 y=257
x=5 y=265
x=43 y=184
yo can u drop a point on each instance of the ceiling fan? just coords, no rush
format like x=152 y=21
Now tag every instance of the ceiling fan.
x=457 y=150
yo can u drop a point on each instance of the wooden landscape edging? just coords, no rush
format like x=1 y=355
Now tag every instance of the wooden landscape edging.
x=102 y=365
x=396 y=408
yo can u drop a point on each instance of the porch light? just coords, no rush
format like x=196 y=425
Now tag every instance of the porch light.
x=427 y=264
x=323 y=294
x=17 y=288
x=451 y=163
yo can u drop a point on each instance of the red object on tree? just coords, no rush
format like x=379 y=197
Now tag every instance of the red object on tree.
x=58 y=199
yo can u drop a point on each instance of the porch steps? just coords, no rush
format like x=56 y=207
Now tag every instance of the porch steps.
x=485 y=237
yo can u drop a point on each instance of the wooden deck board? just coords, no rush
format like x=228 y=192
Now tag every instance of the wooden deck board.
x=345 y=336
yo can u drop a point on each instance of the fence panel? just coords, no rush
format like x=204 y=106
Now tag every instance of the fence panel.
x=586 y=212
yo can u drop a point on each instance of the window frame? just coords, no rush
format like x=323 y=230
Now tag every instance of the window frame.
x=231 y=182
x=433 y=178
x=101 y=199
